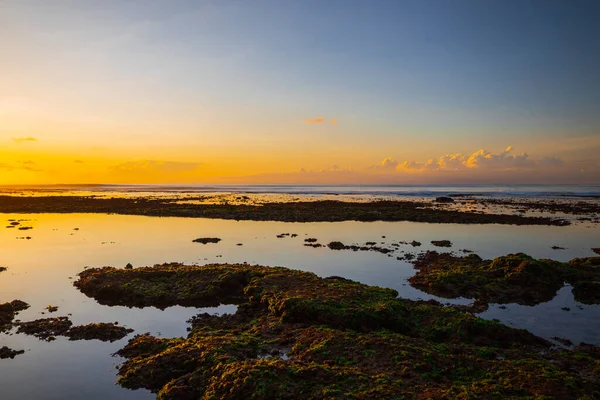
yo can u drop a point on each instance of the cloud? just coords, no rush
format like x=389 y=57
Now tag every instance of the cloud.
x=318 y=120
x=480 y=159
x=24 y=139
x=321 y=120
x=333 y=169
x=154 y=166
x=503 y=160
x=387 y=163
x=20 y=166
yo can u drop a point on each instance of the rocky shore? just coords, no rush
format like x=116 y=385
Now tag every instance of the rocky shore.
x=296 y=335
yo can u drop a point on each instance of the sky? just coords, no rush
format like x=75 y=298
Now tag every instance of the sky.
x=299 y=91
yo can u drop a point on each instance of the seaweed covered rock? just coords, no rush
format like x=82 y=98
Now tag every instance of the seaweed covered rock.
x=6 y=352
x=104 y=331
x=515 y=278
x=48 y=328
x=584 y=276
x=8 y=312
x=296 y=335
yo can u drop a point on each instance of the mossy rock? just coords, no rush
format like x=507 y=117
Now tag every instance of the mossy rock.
x=515 y=278
x=296 y=335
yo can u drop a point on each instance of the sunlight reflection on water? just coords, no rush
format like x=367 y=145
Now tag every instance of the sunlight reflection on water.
x=42 y=269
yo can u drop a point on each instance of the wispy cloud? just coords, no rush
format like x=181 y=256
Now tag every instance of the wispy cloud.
x=321 y=120
x=333 y=169
x=154 y=166
x=20 y=166
x=24 y=139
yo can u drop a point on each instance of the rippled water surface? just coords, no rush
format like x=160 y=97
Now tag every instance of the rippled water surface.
x=41 y=271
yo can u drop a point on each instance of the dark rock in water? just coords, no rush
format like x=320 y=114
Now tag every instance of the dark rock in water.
x=25 y=228
x=565 y=309
x=315 y=245
x=47 y=329
x=311 y=240
x=2 y=269
x=128 y=266
x=15 y=223
x=207 y=240
x=6 y=352
x=596 y=250
x=444 y=199
x=336 y=246
x=240 y=244
x=8 y=312
x=51 y=309
x=414 y=243
x=441 y=243
x=558 y=248
x=106 y=332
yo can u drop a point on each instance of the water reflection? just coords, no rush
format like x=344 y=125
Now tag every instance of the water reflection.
x=42 y=269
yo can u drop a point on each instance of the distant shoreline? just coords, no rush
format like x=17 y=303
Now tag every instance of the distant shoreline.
x=299 y=211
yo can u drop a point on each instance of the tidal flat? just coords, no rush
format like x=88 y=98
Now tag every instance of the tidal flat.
x=42 y=271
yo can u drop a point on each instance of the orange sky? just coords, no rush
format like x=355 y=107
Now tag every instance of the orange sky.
x=107 y=92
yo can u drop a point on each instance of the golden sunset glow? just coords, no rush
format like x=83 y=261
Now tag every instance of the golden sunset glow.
x=167 y=98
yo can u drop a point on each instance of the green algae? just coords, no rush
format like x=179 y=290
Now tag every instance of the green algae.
x=296 y=335
x=515 y=278
x=48 y=329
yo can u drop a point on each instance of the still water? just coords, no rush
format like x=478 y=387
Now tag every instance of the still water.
x=41 y=271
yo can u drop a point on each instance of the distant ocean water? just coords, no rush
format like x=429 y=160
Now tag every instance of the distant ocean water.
x=560 y=191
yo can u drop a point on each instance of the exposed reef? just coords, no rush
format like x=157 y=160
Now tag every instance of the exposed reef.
x=6 y=352
x=8 y=312
x=207 y=240
x=308 y=211
x=296 y=335
x=48 y=328
x=441 y=243
x=515 y=278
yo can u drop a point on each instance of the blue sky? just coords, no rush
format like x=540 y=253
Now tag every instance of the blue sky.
x=411 y=80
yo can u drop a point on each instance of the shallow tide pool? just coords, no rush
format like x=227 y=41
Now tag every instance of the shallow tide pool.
x=41 y=271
